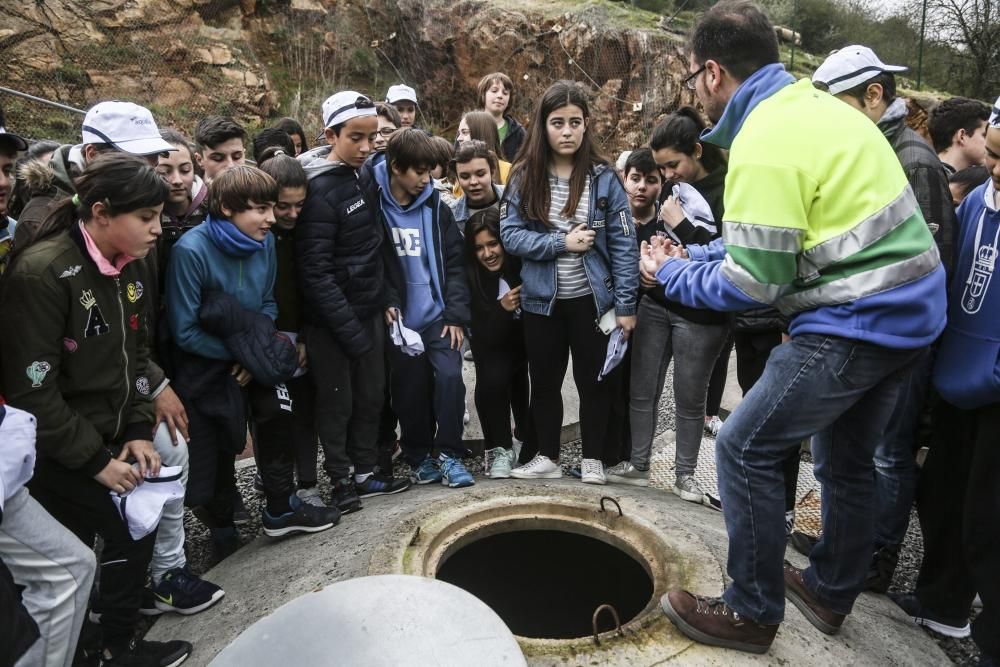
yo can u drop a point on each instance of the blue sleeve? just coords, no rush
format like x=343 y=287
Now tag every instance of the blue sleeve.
x=621 y=238
x=713 y=251
x=269 y=306
x=518 y=239
x=702 y=285
x=186 y=274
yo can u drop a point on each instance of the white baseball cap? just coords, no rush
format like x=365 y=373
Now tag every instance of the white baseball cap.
x=126 y=126
x=850 y=66
x=995 y=115
x=345 y=105
x=401 y=93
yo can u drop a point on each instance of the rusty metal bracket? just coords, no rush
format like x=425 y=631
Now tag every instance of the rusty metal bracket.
x=614 y=615
x=603 y=498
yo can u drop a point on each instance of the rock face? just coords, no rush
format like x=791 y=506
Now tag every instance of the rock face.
x=189 y=58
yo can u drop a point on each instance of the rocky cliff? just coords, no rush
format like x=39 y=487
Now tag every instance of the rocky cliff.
x=262 y=59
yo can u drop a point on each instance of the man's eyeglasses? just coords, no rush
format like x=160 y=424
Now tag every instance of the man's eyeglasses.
x=387 y=131
x=692 y=81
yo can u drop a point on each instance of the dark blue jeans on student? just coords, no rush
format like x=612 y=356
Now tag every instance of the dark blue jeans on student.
x=895 y=456
x=843 y=391
x=429 y=420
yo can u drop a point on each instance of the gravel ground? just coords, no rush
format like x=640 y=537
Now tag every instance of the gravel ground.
x=961 y=651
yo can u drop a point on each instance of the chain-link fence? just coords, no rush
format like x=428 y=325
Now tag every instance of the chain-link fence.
x=266 y=59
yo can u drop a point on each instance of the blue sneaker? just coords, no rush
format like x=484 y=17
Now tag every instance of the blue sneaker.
x=183 y=592
x=454 y=474
x=426 y=473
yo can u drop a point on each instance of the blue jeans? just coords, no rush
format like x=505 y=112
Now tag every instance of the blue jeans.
x=844 y=392
x=428 y=395
x=895 y=456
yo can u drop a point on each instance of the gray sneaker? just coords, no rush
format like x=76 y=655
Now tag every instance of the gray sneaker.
x=687 y=488
x=503 y=461
x=626 y=473
x=311 y=496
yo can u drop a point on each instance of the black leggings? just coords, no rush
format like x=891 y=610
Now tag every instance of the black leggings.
x=549 y=340
x=502 y=389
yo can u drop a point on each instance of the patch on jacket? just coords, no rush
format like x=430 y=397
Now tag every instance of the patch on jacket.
x=134 y=291
x=142 y=385
x=96 y=324
x=597 y=224
x=70 y=271
x=355 y=206
x=602 y=203
x=37 y=371
x=626 y=227
x=503 y=211
x=70 y=345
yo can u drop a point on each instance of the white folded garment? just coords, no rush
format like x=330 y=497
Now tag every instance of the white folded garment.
x=617 y=347
x=141 y=507
x=695 y=208
x=17 y=450
x=407 y=339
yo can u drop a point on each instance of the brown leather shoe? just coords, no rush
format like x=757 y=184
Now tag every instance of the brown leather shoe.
x=825 y=619
x=710 y=621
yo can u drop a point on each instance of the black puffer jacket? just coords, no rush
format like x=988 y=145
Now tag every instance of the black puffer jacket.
x=337 y=242
x=252 y=338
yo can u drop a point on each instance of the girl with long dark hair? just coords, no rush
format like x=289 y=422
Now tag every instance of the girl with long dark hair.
x=566 y=215
x=497 y=342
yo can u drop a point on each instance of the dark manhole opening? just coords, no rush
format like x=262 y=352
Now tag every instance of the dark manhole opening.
x=547 y=583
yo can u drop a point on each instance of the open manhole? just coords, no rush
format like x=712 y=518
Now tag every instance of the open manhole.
x=549 y=583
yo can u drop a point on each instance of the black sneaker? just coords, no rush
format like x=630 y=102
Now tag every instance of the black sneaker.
x=921 y=615
x=241 y=516
x=182 y=592
x=141 y=653
x=304 y=518
x=224 y=544
x=882 y=568
x=345 y=497
x=381 y=485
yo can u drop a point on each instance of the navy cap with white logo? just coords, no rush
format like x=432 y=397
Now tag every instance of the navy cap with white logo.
x=9 y=138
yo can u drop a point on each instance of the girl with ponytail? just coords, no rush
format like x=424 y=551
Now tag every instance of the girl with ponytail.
x=75 y=356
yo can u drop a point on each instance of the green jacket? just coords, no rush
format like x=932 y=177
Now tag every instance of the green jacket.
x=75 y=351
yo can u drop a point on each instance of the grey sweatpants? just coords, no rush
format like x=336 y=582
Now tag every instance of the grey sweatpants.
x=659 y=335
x=57 y=571
x=168 y=550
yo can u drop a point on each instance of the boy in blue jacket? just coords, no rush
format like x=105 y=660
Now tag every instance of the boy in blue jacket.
x=958 y=497
x=426 y=287
x=231 y=252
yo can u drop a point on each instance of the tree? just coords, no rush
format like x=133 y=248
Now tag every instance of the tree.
x=972 y=27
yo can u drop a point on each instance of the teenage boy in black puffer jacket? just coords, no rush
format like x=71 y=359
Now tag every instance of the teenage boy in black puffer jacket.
x=341 y=272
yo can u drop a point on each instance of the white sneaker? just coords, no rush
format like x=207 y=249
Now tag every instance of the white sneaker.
x=687 y=488
x=626 y=473
x=713 y=425
x=503 y=461
x=540 y=467
x=592 y=472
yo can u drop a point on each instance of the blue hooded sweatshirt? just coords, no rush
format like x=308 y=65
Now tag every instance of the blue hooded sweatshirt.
x=967 y=370
x=411 y=231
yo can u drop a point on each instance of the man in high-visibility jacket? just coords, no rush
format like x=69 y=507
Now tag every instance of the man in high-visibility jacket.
x=821 y=222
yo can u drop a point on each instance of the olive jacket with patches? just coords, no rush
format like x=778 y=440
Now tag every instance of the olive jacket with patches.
x=74 y=353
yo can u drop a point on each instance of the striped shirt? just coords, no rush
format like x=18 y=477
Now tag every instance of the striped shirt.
x=571 y=277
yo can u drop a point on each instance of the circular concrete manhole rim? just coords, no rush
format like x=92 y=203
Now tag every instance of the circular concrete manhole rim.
x=422 y=543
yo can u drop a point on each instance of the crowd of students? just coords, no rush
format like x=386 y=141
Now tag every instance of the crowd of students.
x=162 y=297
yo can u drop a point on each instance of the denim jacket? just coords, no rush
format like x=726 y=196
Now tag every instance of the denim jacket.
x=612 y=263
